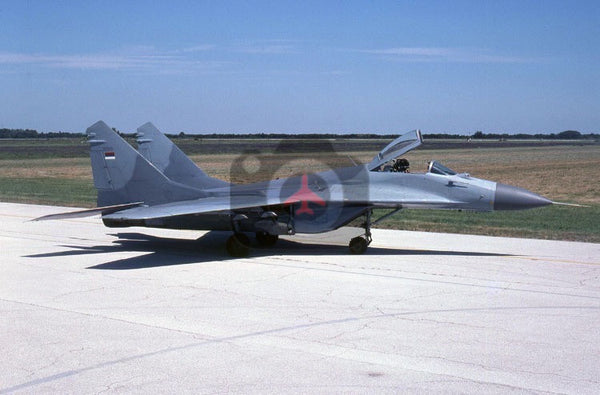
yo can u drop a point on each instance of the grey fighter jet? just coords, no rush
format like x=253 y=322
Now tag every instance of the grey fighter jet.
x=160 y=187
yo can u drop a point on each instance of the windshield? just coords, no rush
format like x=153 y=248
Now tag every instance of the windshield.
x=438 y=168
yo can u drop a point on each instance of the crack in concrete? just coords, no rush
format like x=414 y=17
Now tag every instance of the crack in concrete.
x=265 y=332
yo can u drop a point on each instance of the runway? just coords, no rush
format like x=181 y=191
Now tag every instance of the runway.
x=90 y=309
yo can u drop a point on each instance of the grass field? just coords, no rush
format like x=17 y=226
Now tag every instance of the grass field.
x=58 y=172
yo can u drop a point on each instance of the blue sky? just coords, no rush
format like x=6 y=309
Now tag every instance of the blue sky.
x=279 y=66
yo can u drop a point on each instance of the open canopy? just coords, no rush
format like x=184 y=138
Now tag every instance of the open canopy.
x=400 y=146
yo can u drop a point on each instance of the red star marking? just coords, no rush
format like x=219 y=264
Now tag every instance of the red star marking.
x=304 y=196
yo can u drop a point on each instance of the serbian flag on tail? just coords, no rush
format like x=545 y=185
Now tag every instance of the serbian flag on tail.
x=109 y=155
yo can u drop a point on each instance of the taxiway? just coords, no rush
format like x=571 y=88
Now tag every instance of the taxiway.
x=87 y=308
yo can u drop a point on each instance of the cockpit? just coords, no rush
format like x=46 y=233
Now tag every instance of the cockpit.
x=402 y=165
x=390 y=158
x=395 y=166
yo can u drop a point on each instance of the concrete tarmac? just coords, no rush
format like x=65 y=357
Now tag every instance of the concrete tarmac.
x=89 y=309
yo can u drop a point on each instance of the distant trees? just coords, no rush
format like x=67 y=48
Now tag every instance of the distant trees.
x=18 y=133
x=569 y=135
x=566 y=135
x=34 y=134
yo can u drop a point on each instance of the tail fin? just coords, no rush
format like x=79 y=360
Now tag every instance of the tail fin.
x=168 y=158
x=122 y=175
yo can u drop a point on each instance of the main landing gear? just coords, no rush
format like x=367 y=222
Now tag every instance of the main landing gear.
x=265 y=239
x=358 y=245
x=238 y=245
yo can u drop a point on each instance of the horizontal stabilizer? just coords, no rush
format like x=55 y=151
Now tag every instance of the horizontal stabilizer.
x=89 y=212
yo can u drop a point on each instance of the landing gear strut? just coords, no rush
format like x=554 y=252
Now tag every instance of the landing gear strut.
x=358 y=245
x=238 y=244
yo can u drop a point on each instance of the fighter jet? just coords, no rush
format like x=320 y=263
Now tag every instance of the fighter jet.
x=160 y=187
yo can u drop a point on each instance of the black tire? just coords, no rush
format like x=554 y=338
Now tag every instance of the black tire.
x=265 y=239
x=238 y=245
x=358 y=245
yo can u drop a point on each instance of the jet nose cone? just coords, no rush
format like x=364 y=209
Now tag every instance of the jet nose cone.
x=514 y=198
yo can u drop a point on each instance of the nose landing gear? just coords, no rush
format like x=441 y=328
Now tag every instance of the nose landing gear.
x=358 y=245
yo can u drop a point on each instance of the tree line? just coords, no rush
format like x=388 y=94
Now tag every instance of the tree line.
x=479 y=135
x=34 y=134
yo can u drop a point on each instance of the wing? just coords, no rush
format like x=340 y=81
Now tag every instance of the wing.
x=401 y=145
x=197 y=206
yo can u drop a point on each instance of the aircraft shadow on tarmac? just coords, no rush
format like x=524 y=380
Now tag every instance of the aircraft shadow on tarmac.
x=210 y=248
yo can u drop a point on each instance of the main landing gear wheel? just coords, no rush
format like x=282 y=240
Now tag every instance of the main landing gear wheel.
x=358 y=245
x=238 y=245
x=265 y=239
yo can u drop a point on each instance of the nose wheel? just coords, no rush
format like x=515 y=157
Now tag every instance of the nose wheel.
x=358 y=245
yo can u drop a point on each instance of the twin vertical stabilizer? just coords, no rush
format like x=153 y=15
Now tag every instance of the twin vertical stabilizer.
x=122 y=175
x=171 y=161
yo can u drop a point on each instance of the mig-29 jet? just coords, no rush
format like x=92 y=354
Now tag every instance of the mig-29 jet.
x=160 y=187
